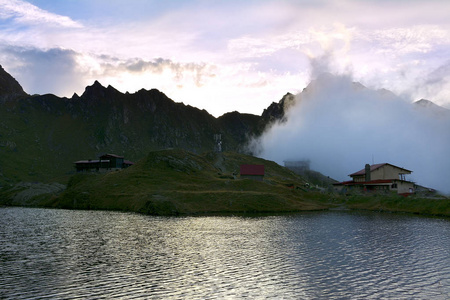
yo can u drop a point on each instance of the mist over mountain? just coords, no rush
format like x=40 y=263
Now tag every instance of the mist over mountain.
x=341 y=125
x=336 y=123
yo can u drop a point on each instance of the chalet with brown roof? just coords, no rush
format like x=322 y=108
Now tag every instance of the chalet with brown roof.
x=379 y=177
x=105 y=163
x=255 y=172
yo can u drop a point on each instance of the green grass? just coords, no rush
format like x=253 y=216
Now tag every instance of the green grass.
x=439 y=206
x=179 y=182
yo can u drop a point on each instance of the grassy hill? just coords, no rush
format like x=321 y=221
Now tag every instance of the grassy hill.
x=178 y=182
x=172 y=182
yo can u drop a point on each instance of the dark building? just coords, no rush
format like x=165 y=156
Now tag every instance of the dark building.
x=105 y=163
x=298 y=166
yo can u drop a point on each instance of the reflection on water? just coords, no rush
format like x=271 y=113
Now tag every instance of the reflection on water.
x=92 y=254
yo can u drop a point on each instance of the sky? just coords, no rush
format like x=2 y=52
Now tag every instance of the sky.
x=226 y=56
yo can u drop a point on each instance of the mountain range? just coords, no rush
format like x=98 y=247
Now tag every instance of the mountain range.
x=41 y=136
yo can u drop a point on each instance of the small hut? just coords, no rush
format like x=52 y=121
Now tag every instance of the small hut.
x=255 y=172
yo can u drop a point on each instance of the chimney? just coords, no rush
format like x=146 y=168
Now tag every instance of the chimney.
x=367 y=172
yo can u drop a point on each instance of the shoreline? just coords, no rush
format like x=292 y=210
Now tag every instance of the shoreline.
x=333 y=207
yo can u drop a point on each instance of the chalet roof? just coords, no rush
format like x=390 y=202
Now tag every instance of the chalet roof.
x=377 y=181
x=252 y=170
x=377 y=166
x=92 y=161
x=111 y=155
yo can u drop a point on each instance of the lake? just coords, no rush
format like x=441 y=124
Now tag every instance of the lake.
x=64 y=254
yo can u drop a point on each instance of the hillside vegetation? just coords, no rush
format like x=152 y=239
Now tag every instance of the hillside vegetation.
x=178 y=182
x=172 y=182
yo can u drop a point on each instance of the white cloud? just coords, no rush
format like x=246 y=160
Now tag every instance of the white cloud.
x=340 y=127
x=25 y=13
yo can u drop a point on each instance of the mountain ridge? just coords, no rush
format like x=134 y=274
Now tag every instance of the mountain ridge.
x=42 y=135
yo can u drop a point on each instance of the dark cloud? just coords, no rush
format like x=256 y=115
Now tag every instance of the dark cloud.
x=57 y=71
x=196 y=71
x=40 y=72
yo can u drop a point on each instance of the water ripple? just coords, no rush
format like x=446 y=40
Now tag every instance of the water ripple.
x=59 y=254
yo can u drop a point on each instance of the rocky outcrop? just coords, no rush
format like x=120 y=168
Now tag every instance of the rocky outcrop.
x=277 y=110
x=9 y=87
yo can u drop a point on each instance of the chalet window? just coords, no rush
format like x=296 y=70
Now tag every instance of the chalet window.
x=394 y=186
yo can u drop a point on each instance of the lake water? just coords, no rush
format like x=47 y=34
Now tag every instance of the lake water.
x=62 y=254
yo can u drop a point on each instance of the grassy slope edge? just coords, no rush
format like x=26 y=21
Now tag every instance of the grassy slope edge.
x=436 y=206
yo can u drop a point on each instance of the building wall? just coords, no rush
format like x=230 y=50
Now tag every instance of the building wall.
x=386 y=172
x=115 y=162
x=405 y=187
x=401 y=187
x=119 y=163
x=359 y=178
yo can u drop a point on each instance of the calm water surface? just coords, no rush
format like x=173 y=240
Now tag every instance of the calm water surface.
x=61 y=254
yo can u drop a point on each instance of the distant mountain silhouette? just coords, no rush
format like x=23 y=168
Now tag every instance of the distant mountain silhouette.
x=432 y=108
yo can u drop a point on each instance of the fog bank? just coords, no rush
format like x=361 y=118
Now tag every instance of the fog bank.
x=340 y=126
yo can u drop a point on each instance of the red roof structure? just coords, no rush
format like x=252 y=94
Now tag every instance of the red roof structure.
x=374 y=167
x=377 y=181
x=255 y=170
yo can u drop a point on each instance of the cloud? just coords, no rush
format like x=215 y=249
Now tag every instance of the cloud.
x=25 y=13
x=265 y=46
x=340 y=126
x=196 y=71
x=41 y=72
x=63 y=71
x=435 y=85
x=177 y=72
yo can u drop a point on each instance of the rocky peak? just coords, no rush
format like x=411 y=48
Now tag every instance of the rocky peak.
x=431 y=107
x=277 y=111
x=425 y=103
x=8 y=85
x=95 y=90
